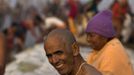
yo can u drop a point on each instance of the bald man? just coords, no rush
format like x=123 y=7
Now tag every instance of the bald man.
x=62 y=51
x=2 y=52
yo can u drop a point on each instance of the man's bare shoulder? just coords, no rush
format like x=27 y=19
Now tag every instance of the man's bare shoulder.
x=90 y=70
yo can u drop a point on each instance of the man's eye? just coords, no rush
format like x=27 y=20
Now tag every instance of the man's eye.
x=59 y=52
x=49 y=55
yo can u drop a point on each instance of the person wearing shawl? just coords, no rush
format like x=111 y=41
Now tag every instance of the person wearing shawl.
x=108 y=55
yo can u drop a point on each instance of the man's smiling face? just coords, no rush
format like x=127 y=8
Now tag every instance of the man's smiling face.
x=59 y=55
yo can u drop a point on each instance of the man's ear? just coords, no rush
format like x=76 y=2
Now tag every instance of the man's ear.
x=75 y=48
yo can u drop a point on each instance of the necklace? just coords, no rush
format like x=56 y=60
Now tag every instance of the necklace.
x=80 y=68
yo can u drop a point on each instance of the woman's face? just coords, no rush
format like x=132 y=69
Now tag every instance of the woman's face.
x=96 y=41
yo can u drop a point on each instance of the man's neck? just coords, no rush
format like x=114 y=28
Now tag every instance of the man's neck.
x=77 y=62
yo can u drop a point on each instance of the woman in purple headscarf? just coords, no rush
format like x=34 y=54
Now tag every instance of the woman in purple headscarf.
x=108 y=55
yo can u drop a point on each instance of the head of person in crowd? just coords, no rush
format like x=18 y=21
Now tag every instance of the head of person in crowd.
x=100 y=29
x=62 y=52
x=29 y=24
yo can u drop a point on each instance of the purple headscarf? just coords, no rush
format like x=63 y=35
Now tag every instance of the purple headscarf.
x=101 y=24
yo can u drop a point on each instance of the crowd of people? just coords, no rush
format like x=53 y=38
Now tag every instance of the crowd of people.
x=23 y=28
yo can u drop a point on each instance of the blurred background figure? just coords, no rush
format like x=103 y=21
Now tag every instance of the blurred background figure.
x=2 y=54
x=93 y=6
x=120 y=8
x=33 y=34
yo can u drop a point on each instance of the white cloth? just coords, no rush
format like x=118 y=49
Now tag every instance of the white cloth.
x=53 y=21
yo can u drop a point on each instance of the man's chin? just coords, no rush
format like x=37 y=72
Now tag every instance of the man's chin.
x=62 y=72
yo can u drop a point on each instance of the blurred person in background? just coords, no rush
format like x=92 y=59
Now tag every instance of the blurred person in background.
x=119 y=8
x=2 y=54
x=10 y=36
x=33 y=34
x=72 y=15
x=54 y=8
x=91 y=6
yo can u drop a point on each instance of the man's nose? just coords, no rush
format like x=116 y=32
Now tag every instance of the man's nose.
x=55 y=59
x=88 y=39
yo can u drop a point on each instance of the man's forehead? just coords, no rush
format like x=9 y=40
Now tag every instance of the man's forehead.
x=54 y=47
x=54 y=43
x=54 y=40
